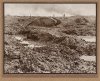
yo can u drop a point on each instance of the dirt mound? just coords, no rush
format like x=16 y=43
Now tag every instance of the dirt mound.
x=45 y=21
x=81 y=21
x=77 y=21
x=40 y=36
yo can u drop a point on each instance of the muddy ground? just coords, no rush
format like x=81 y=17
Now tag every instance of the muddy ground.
x=49 y=45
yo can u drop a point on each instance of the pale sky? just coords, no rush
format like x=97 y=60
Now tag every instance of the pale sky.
x=23 y=9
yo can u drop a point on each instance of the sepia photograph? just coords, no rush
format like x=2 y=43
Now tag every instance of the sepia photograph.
x=50 y=38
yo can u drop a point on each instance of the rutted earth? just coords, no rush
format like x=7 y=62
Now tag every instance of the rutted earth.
x=49 y=45
x=32 y=44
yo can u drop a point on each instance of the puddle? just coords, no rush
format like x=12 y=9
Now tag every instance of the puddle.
x=24 y=42
x=88 y=38
x=30 y=44
x=19 y=38
x=88 y=58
